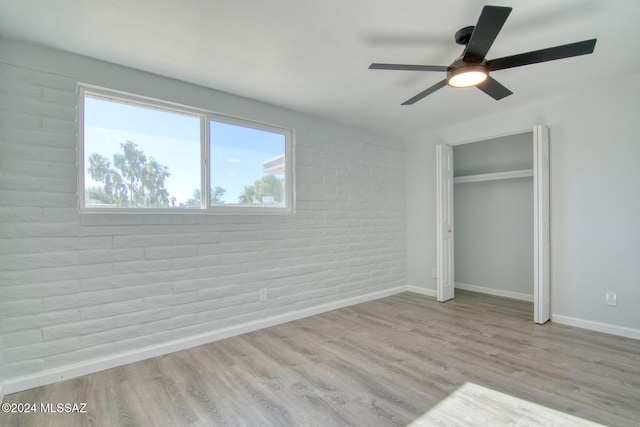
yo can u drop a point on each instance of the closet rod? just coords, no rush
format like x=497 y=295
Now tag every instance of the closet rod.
x=493 y=176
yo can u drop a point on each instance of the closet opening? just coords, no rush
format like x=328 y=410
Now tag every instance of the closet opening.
x=494 y=193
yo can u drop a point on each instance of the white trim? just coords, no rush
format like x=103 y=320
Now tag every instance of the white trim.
x=422 y=291
x=484 y=138
x=606 y=328
x=1 y=392
x=50 y=376
x=541 y=242
x=445 y=253
x=493 y=176
x=497 y=292
x=80 y=166
x=205 y=171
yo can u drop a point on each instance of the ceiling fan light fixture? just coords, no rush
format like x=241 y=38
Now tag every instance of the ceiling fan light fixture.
x=467 y=76
x=472 y=67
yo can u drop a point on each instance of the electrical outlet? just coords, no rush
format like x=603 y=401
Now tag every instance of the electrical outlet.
x=263 y=294
x=611 y=298
x=434 y=273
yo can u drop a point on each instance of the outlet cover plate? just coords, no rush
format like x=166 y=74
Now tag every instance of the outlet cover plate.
x=611 y=298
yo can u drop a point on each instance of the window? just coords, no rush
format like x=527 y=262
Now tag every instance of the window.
x=141 y=155
x=247 y=166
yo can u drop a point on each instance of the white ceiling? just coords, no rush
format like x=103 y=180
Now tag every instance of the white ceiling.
x=312 y=55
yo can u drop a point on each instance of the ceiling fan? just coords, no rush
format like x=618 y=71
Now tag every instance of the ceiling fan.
x=472 y=68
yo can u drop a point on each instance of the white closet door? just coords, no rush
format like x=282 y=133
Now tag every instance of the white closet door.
x=541 y=195
x=444 y=219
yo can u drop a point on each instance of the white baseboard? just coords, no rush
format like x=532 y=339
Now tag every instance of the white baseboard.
x=597 y=326
x=496 y=292
x=423 y=291
x=13 y=385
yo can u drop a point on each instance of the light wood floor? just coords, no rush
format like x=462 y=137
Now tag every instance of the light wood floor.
x=381 y=363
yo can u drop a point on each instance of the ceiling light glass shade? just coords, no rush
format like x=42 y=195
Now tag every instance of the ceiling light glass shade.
x=467 y=76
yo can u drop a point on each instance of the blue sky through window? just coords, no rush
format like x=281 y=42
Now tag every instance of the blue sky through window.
x=173 y=140
x=238 y=154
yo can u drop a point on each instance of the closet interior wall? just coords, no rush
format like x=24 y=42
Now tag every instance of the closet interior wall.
x=493 y=216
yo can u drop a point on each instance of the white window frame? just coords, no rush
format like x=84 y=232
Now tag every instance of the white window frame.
x=205 y=118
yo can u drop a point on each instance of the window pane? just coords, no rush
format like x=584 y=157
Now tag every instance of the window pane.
x=247 y=166
x=140 y=157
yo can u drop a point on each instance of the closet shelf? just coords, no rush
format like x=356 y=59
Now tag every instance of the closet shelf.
x=493 y=176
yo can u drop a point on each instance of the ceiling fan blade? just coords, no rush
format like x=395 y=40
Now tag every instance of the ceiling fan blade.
x=489 y=25
x=494 y=89
x=407 y=67
x=424 y=93
x=543 y=55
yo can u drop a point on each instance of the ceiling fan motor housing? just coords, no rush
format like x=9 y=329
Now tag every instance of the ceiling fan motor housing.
x=464 y=35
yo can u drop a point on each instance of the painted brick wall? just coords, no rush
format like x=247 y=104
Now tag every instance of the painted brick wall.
x=76 y=287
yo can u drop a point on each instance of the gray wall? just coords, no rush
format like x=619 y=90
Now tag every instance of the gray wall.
x=506 y=153
x=494 y=219
x=494 y=236
x=595 y=200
